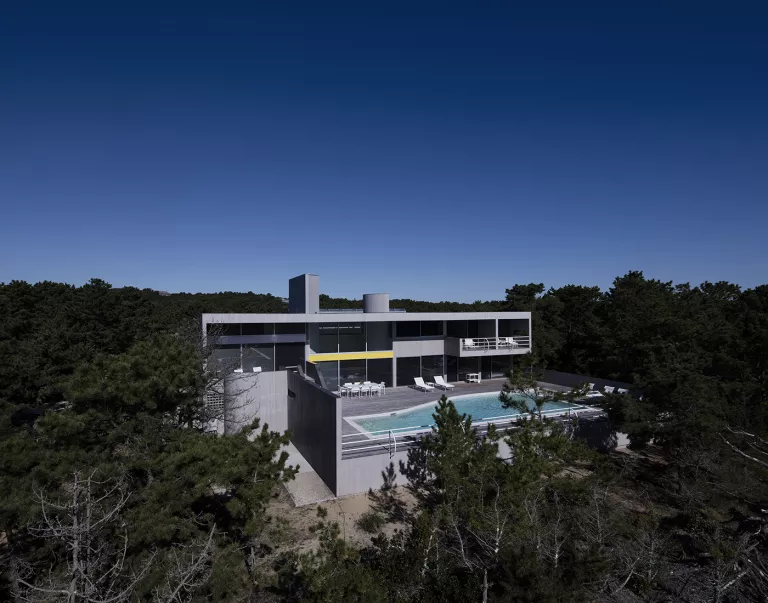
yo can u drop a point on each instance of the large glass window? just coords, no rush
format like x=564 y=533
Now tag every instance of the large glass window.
x=324 y=338
x=407 y=369
x=288 y=354
x=329 y=371
x=408 y=329
x=351 y=371
x=505 y=328
x=288 y=328
x=468 y=365
x=485 y=367
x=380 y=370
x=262 y=356
x=351 y=337
x=224 y=328
x=226 y=358
x=452 y=368
x=473 y=329
x=500 y=365
x=457 y=328
x=379 y=336
x=431 y=366
x=431 y=328
x=253 y=328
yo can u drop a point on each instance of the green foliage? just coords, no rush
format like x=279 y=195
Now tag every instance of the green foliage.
x=105 y=380
x=371 y=522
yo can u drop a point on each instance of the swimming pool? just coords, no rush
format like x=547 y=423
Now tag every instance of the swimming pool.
x=481 y=407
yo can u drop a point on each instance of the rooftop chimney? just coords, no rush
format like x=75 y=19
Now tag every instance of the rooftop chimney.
x=376 y=302
x=304 y=294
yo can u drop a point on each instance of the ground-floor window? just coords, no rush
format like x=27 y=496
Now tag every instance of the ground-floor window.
x=407 y=369
x=329 y=371
x=468 y=365
x=352 y=371
x=261 y=357
x=500 y=365
x=380 y=370
x=431 y=366
x=335 y=372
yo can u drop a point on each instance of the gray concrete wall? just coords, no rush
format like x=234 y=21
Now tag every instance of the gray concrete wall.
x=360 y=474
x=314 y=419
x=250 y=395
x=418 y=347
x=304 y=294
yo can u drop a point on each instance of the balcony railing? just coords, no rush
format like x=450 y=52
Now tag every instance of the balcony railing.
x=495 y=343
x=353 y=310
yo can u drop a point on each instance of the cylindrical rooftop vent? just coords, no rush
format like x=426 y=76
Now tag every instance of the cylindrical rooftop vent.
x=376 y=302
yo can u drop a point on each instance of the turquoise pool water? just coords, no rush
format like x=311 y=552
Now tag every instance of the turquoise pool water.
x=481 y=407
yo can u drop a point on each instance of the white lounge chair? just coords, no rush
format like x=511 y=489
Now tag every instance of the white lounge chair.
x=425 y=387
x=608 y=389
x=621 y=390
x=439 y=382
x=591 y=386
x=510 y=342
x=469 y=343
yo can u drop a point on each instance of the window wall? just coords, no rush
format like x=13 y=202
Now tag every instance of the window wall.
x=332 y=337
x=431 y=366
x=379 y=336
x=262 y=356
x=269 y=357
x=380 y=371
x=330 y=373
x=351 y=337
x=324 y=337
x=377 y=370
x=407 y=369
x=500 y=365
x=468 y=365
x=289 y=354
x=416 y=328
x=351 y=371
x=425 y=367
x=226 y=358
x=452 y=368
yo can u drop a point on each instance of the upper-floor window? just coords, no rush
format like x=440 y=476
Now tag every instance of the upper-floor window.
x=420 y=328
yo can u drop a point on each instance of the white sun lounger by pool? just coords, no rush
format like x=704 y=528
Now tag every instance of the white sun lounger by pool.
x=425 y=387
x=621 y=390
x=442 y=384
x=608 y=389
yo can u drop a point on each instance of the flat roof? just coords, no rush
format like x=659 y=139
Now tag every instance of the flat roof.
x=362 y=317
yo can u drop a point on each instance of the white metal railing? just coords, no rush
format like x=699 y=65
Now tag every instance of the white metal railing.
x=386 y=440
x=495 y=343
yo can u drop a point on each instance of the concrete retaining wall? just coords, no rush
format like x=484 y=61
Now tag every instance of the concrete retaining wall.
x=251 y=395
x=361 y=474
x=314 y=419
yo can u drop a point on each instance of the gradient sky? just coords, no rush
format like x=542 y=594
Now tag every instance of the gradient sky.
x=432 y=151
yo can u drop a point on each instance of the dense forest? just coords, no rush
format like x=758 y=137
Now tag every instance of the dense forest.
x=111 y=492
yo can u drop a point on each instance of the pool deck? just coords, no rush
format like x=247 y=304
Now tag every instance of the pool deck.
x=399 y=398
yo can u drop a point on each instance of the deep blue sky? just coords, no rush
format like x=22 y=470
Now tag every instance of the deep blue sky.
x=435 y=152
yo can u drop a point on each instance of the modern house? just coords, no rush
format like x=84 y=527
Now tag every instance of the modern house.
x=261 y=355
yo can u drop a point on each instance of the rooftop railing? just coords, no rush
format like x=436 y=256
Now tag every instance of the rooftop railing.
x=352 y=310
x=495 y=343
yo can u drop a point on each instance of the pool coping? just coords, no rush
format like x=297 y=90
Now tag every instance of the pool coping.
x=428 y=428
